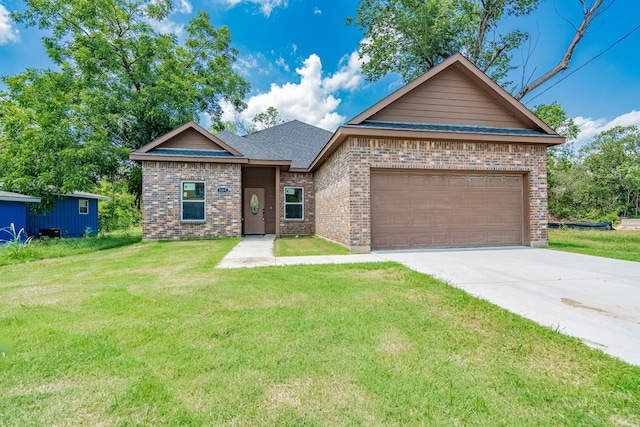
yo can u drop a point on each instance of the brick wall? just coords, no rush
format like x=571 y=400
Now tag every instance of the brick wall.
x=333 y=213
x=343 y=181
x=161 y=200
x=307 y=225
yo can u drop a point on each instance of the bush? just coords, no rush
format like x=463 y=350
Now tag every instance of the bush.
x=121 y=212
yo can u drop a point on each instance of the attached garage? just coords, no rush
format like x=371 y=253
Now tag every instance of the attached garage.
x=441 y=209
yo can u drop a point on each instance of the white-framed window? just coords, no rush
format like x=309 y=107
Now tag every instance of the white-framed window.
x=192 y=201
x=293 y=203
x=83 y=206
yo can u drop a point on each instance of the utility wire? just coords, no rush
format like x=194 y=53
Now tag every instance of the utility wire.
x=586 y=63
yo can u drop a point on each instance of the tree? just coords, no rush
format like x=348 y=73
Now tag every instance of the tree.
x=613 y=160
x=554 y=115
x=124 y=83
x=411 y=36
x=45 y=148
x=267 y=119
x=261 y=121
x=565 y=183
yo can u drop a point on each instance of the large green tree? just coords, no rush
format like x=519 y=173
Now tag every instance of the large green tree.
x=411 y=36
x=564 y=175
x=613 y=161
x=118 y=85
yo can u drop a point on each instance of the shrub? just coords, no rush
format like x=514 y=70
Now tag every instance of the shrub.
x=119 y=213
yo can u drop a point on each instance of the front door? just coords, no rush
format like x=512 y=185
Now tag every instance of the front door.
x=254 y=211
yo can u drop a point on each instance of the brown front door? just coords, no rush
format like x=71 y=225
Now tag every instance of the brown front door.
x=254 y=211
x=419 y=209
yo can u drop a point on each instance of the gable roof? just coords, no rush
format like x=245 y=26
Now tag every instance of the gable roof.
x=473 y=84
x=208 y=144
x=452 y=101
x=292 y=146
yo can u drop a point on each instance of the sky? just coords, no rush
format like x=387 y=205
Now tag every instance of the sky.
x=300 y=57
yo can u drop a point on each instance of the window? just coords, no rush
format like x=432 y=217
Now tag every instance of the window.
x=192 y=201
x=293 y=203
x=83 y=206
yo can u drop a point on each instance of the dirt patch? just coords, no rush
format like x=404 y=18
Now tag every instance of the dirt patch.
x=42 y=295
x=394 y=342
x=617 y=421
x=578 y=304
x=390 y=274
x=288 y=393
x=593 y=344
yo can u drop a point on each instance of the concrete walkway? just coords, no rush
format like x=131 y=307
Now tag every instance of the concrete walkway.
x=592 y=298
x=257 y=251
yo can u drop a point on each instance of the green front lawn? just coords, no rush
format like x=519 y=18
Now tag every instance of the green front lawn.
x=307 y=245
x=619 y=244
x=152 y=334
x=13 y=253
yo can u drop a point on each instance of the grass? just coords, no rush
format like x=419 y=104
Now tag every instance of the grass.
x=151 y=334
x=618 y=244
x=15 y=253
x=307 y=245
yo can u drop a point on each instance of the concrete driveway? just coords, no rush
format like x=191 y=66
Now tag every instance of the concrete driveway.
x=594 y=299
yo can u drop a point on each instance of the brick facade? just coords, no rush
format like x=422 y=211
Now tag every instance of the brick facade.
x=161 y=210
x=307 y=225
x=343 y=181
x=333 y=212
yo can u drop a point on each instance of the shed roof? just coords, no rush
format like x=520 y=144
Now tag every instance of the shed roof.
x=8 y=196
x=85 y=195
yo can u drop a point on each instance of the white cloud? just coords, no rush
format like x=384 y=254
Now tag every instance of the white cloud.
x=167 y=26
x=349 y=76
x=266 y=6
x=245 y=64
x=280 y=62
x=183 y=6
x=312 y=100
x=590 y=127
x=317 y=11
x=8 y=34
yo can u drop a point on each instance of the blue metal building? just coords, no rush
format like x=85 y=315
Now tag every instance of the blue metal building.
x=13 y=210
x=73 y=215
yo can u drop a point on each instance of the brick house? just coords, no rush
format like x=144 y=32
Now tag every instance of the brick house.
x=449 y=160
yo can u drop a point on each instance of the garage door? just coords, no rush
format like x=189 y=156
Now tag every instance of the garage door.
x=416 y=209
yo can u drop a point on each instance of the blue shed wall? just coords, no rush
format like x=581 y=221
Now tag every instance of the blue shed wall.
x=12 y=212
x=65 y=216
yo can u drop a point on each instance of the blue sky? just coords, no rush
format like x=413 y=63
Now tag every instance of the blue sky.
x=301 y=58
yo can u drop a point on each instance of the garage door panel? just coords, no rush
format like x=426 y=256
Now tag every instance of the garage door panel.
x=477 y=182
x=513 y=181
x=420 y=209
x=512 y=200
x=495 y=182
x=458 y=182
x=401 y=219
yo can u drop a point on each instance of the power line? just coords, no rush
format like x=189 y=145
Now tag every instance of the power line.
x=586 y=63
